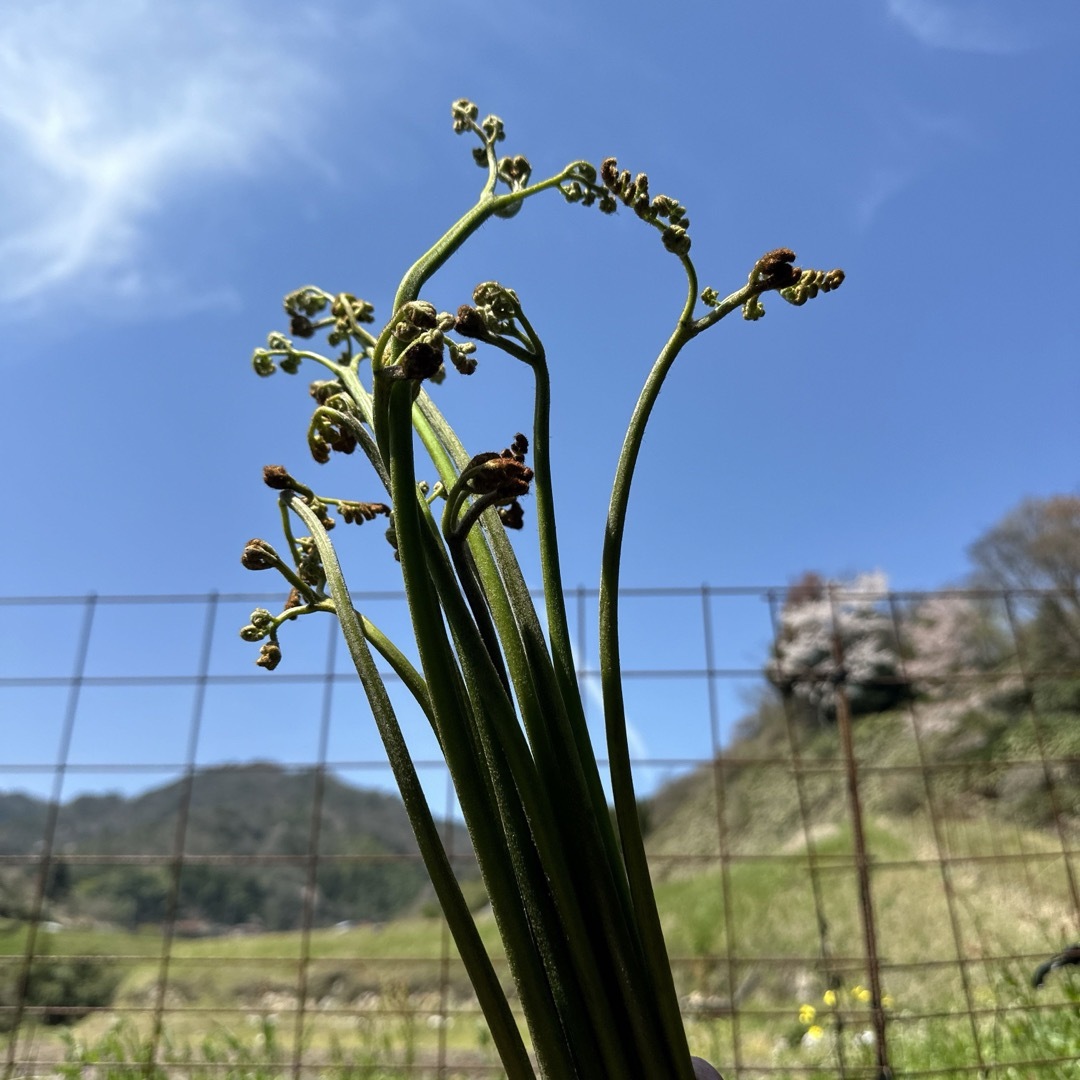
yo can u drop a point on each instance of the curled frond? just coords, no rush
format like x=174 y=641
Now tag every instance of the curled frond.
x=262 y=623
x=259 y=555
x=324 y=389
x=330 y=430
x=498 y=306
x=307 y=301
x=504 y=475
x=262 y=360
x=581 y=185
x=464 y=113
x=810 y=283
x=344 y=314
x=278 y=478
x=423 y=358
x=356 y=513
x=662 y=211
x=348 y=313
x=412 y=319
x=269 y=656
x=753 y=309
x=461 y=356
x=493 y=128
x=514 y=172
x=776 y=271
x=512 y=515
x=469 y=322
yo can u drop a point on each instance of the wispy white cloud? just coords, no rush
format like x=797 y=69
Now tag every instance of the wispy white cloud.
x=877 y=187
x=962 y=25
x=902 y=144
x=110 y=110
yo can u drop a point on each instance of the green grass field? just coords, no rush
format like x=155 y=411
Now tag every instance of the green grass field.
x=383 y=1000
x=768 y=959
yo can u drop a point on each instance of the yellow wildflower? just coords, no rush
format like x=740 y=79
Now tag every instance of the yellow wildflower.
x=807 y=1014
x=860 y=993
x=829 y=997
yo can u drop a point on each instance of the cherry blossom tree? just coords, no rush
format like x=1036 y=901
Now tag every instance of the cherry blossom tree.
x=836 y=633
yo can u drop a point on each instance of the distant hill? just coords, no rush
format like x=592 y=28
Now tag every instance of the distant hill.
x=259 y=810
x=984 y=761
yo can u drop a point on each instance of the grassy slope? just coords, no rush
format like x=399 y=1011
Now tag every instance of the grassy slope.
x=991 y=847
x=762 y=946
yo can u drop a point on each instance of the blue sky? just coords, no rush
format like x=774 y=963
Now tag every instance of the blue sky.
x=171 y=169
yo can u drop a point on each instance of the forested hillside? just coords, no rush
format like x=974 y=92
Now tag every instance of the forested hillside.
x=368 y=867
x=964 y=703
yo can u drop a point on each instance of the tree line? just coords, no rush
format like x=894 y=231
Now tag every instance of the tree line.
x=1017 y=612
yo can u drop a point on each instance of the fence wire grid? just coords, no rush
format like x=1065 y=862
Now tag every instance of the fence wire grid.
x=862 y=809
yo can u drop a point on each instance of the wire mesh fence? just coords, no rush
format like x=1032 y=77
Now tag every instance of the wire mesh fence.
x=861 y=807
